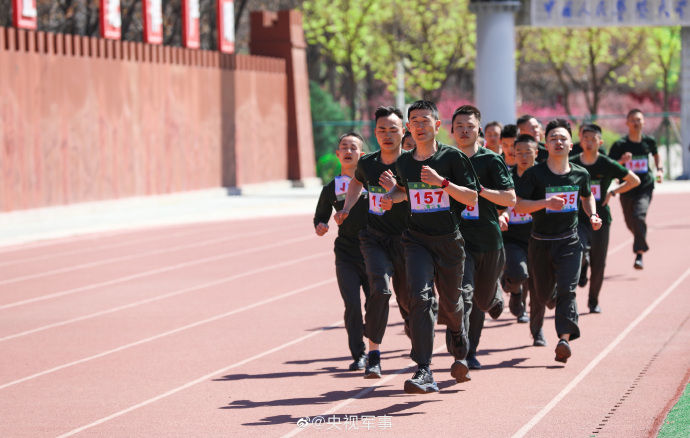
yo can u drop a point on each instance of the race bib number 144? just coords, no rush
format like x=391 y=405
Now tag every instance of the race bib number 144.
x=425 y=198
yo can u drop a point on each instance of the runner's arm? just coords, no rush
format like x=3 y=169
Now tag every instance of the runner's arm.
x=505 y=198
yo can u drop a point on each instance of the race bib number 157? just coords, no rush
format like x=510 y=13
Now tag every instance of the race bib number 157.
x=375 y=195
x=425 y=198
x=568 y=193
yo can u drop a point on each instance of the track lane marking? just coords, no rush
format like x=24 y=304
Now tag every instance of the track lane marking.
x=170 y=332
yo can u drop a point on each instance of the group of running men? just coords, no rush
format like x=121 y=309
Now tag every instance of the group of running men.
x=451 y=227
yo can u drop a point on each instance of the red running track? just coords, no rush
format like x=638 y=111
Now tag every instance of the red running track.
x=236 y=328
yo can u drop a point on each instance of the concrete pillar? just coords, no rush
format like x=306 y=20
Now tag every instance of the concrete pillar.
x=281 y=35
x=685 y=100
x=494 y=75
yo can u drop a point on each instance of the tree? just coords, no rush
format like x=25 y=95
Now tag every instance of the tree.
x=590 y=61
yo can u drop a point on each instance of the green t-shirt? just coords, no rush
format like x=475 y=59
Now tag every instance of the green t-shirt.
x=333 y=198
x=394 y=221
x=479 y=226
x=519 y=224
x=542 y=153
x=432 y=210
x=640 y=163
x=538 y=182
x=601 y=173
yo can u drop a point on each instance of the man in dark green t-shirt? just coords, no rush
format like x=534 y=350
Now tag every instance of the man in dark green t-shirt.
x=380 y=239
x=484 y=255
x=438 y=180
x=553 y=192
x=349 y=264
x=632 y=151
x=517 y=228
x=602 y=170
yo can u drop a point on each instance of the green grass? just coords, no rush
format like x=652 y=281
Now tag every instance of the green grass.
x=677 y=423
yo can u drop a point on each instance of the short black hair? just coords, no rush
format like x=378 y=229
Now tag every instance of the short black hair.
x=591 y=127
x=524 y=119
x=467 y=110
x=494 y=123
x=423 y=105
x=406 y=135
x=509 y=131
x=526 y=138
x=385 y=111
x=633 y=111
x=351 y=134
x=558 y=123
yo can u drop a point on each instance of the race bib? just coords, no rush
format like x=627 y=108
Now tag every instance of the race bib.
x=425 y=198
x=471 y=212
x=596 y=189
x=375 y=195
x=515 y=218
x=342 y=183
x=569 y=193
x=638 y=164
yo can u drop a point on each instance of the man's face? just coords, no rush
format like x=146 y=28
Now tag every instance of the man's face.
x=423 y=125
x=389 y=132
x=558 y=142
x=465 y=130
x=525 y=154
x=590 y=141
x=493 y=137
x=408 y=143
x=508 y=149
x=530 y=127
x=348 y=152
x=635 y=122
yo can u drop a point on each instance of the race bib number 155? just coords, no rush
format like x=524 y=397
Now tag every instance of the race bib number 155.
x=425 y=198
x=568 y=193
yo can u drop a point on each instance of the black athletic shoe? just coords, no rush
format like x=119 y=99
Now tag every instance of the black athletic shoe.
x=460 y=371
x=595 y=309
x=421 y=383
x=539 y=340
x=473 y=363
x=515 y=304
x=638 y=262
x=359 y=364
x=523 y=319
x=563 y=351
x=496 y=310
x=582 y=282
x=373 y=369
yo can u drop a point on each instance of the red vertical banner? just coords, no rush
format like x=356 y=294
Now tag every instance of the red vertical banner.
x=110 y=19
x=153 y=21
x=190 y=24
x=24 y=14
x=226 y=26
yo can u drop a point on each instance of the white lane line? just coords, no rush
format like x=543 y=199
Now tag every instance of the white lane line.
x=136 y=255
x=546 y=409
x=154 y=272
x=377 y=383
x=97 y=248
x=160 y=297
x=164 y=334
x=199 y=380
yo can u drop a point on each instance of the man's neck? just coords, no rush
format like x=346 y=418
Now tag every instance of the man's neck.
x=390 y=157
x=425 y=150
x=469 y=150
x=348 y=171
x=635 y=136
x=558 y=165
x=589 y=157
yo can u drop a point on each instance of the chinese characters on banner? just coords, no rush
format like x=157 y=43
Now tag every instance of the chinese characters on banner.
x=573 y=13
x=190 y=24
x=153 y=21
x=24 y=14
x=110 y=20
x=226 y=26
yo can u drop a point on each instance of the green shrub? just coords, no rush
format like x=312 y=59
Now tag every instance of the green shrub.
x=327 y=167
